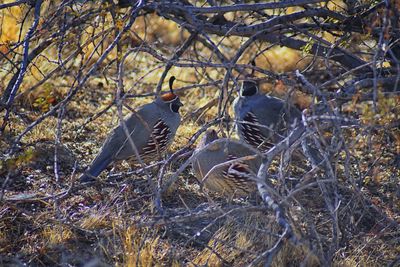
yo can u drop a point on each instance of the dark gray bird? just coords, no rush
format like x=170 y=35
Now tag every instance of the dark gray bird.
x=262 y=120
x=151 y=128
x=232 y=179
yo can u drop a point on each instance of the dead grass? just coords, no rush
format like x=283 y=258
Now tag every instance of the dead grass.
x=242 y=238
x=44 y=224
x=94 y=217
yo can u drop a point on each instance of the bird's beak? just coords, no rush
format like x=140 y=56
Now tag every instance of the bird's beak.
x=180 y=103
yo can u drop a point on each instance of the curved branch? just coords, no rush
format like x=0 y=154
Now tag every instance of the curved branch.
x=24 y=63
x=16 y=3
x=228 y=28
x=245 y=7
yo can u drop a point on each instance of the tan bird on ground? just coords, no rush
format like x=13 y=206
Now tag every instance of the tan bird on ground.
x=235 y=178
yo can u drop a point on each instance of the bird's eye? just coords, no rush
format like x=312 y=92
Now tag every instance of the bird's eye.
x=175 y=107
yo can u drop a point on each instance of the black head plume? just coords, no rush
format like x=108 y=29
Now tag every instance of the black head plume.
x=171 y=83
x=253 y=63
x=250 y=87
x=170 y=96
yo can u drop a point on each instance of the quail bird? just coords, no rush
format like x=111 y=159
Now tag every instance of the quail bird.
x=233 y=179
x=262 y=120
x=152 y=129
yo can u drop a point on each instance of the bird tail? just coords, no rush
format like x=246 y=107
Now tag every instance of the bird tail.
x=98 y=165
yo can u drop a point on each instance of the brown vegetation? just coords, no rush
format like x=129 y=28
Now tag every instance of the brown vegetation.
x=345 y=213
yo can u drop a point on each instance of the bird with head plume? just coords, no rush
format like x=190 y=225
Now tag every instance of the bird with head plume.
x=142 y=136
x=262 y=120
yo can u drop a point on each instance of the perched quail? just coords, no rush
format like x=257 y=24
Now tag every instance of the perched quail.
x=152 y=129
x=262 y=120
x=233 y=179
